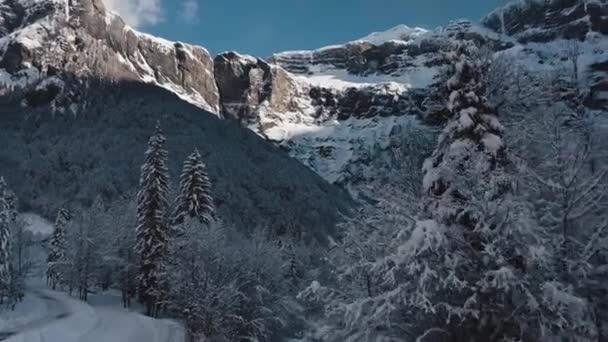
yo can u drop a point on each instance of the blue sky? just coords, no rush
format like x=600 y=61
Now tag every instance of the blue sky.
x=265 y=26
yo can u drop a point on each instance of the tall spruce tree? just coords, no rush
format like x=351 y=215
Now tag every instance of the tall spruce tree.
x=57 y=249
x=472 y=129
x=151 y=231
x=195 y=199
x=490 y=241
x=5 y=239
x=476 y=266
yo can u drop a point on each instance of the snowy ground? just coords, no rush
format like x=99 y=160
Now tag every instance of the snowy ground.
x=37 y=224
x=47 y=315
x=65 y=319
x=33 y=310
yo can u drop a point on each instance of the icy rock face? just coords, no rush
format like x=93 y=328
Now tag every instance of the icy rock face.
x=333 y=111
x=246 y=83
x=65 y=39
x=350 y=101
x=388 y=53
x=374 y=53
x=544 y=21
x=547 y=33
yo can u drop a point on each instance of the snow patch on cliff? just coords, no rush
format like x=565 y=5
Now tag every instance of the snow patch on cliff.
x=397 y=33
x=332 y=148
x=414 y=77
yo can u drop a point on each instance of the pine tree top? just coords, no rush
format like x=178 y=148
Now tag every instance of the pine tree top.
x=195 y=199
x=2 y=185
x=8 y=200
x=3 y=203
x=158 y=138
x=63 y=216
x=470 y=145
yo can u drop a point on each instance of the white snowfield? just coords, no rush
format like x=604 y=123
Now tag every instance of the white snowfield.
x=67 y=319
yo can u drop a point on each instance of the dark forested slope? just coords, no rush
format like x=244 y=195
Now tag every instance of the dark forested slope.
x=62 y=159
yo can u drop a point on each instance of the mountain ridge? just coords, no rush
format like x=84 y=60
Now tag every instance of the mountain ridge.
x=326 y=107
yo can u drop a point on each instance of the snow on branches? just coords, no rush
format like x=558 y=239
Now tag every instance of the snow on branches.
x=57 y=249
x=8 y=214
x=473 y=128
x=152 y=225
x=195 y=199
x=477 y=267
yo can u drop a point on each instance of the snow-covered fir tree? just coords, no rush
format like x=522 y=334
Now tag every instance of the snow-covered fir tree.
x=152 y=225
x=472 y=128
x=21 y=260
x=57 y=249
x=6 y=217
x=10 y=200
x=481 y=246
x=195 y=199
x=11 y=279
x=474 y=267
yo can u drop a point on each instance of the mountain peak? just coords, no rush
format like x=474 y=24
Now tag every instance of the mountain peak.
x=397 y=33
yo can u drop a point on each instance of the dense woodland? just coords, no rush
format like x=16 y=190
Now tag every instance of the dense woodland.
x=493 y=229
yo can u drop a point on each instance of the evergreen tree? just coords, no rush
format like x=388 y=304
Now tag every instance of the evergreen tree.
x=195 y=199
x=5 y=239
x=8 y=219
x=10 y=200
x=57 y=249
x=483 y=240
x=472 y=129
x=476 y=267
x=151 y=231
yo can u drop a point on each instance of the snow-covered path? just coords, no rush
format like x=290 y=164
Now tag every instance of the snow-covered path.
x=53 y=316
x=70 y=320
x=114 y=325
x=36 y=311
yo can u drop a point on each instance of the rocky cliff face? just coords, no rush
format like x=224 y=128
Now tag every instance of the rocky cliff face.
x=546 y=21
x=246 y=82
x=346 y=100
x=45 y=42
x=549 y=35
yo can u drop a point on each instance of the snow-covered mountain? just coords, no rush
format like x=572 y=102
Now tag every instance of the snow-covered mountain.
x=546 y=21
x=80 y=95
x=328 y=107
x=357 y=97
x=352 y=98
x=45 y=41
